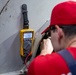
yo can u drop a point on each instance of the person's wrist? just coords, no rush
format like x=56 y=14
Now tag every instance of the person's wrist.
x=45 y=52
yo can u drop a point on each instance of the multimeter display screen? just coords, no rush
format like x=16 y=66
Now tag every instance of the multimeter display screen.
x=28 y=35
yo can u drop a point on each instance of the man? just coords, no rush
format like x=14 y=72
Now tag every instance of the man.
x=63 y=38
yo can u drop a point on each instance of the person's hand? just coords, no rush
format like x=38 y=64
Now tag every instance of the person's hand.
x=46 y=47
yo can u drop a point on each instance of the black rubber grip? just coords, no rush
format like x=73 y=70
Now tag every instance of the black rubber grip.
x=25 y=16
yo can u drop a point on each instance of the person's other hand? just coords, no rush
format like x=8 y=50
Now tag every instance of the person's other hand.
x=46 y=47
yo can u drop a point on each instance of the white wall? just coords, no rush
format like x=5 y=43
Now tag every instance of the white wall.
x=11 y=23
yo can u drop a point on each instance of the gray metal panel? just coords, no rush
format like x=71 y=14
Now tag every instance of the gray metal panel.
x=10 y=59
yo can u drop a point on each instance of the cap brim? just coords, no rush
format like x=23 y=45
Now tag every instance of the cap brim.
x=44 y=31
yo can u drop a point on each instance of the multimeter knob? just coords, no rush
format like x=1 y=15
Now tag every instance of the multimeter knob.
x=27 y=46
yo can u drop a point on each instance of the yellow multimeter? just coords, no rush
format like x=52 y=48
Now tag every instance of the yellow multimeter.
x=27 y=41
x=26 y=36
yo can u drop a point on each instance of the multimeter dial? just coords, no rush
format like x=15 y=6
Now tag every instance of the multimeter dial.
x=27 y=43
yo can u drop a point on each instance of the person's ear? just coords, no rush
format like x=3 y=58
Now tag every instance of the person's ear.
x=60 y=32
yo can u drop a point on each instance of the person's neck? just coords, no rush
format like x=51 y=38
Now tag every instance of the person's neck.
x=71 y=43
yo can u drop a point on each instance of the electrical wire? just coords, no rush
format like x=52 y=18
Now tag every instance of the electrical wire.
x=27 y=59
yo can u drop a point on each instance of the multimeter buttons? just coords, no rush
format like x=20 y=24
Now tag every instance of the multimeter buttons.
x=27 y=46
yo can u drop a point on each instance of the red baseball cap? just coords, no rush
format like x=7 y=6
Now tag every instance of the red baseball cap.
x=63 y=14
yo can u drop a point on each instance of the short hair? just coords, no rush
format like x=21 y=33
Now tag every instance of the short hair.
x=69 y=30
